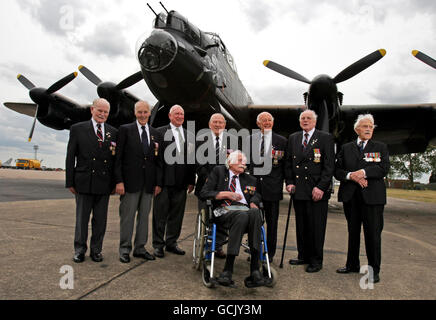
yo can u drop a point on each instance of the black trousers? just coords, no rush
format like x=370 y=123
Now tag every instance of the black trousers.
x=85 y=203
x=271 y=217
x=238 y=223
x=168 y=213
x=311 y=223
x=371 y=216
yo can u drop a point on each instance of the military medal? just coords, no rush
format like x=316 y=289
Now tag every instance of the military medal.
x=113 y=147
x=156 y=149
x=316 y=155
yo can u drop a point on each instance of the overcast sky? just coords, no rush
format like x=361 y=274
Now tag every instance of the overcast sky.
x=46 y=40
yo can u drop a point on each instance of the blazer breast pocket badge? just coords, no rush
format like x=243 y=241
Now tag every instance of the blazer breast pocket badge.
x=316 y=155
x=372 y=157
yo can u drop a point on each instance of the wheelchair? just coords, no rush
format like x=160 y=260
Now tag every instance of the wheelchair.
x=204 y=249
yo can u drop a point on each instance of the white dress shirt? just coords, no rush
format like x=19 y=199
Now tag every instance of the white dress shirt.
x=140 y=131
x=176 y=135
x=309 y=137
x=94 y=123
x=238 y=187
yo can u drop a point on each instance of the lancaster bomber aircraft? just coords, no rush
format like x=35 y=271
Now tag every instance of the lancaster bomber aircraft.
x=183 y=65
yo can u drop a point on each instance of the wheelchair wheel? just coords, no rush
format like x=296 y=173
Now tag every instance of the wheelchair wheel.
x=207 y=281
x=199 y=240
x=270 y=282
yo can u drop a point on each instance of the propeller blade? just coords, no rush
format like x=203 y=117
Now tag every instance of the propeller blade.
x=360 y=65
x=154 y=112
x=285 y=71
x=61 y=83
x=130 y=81
x=90 y=75
x=33 y=125
x=424 y=58
x=25 y=82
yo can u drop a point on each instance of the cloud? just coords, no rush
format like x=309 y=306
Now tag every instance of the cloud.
x=57 y=17
x=401 y=93
x=107 y=40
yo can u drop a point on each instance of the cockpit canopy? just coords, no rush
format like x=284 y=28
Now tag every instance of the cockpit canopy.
x=174 y=20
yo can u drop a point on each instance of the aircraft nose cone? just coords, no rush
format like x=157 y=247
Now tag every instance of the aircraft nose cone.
x=158 y=51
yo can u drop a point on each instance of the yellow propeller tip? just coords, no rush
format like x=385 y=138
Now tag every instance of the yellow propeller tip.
x=19 y=76
x=80 y=67
x=75 y=74
x=382 y=52
x=265 y=62
x=30 y=139
x=415 y=52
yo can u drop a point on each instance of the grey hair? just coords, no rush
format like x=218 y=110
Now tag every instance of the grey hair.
x=100 y=100
x=174 y=107
x=233 y=158
x=309 y=110
x=265 y=112
x=141 y=102
x=361 y=117
x=210 y=119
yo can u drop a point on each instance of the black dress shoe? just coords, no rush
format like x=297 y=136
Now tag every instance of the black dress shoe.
x=125 y=258
x=313 y=268
x=96 y=257
x=176 y=250
x=376 y=278
x=296 y=262
x=225 y=278
x=158 y=252
x=144 y=255
x=79 y=257
x=254 y=280
x=348 y=270
x=220 y=254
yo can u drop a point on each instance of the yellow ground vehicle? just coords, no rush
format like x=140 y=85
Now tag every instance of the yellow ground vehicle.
x=28 y=164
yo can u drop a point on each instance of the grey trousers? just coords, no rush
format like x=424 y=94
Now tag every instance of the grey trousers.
x=85 y=203
x=130 y=204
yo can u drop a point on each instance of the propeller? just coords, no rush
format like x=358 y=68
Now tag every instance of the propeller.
x=39 y=95
x=424 y=58
x=128 y=82
x=345 y=74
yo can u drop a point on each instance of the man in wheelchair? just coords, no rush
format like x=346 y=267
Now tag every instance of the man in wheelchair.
x=236 y=208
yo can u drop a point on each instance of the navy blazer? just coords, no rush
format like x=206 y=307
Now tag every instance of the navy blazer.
x=134 y=168
x=351 y=159
x=89 y=167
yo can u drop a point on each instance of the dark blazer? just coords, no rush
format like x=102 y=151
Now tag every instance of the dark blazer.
x=271 y=185
x=176 y=174
x=134 y=168
x=204 y=169
x=306 y=171
x=218 y=181
x=350 y=159
x=89 y=167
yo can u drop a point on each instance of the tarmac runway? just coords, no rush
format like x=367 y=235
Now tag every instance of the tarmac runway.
x=37 y=217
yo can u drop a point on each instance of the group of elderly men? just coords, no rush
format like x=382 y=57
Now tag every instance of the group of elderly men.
x=141 y=163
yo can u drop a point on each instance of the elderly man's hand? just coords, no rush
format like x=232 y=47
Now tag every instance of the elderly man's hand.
x=253 y=206
x=317 y=194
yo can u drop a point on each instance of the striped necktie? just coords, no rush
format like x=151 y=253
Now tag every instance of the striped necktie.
x=262 y=147
x=217 y=150
x=99 y=134
x=232 y=189
x=306 y=138
x=144 y=138
x=361 y=146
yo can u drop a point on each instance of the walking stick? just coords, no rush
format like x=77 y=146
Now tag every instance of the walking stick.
x=287 y=225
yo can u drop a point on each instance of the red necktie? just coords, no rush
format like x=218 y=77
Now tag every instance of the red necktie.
x=306 y=137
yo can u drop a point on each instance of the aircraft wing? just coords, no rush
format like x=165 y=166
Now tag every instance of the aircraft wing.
x=24 y=108
x=285 y=117
x=404 y=128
